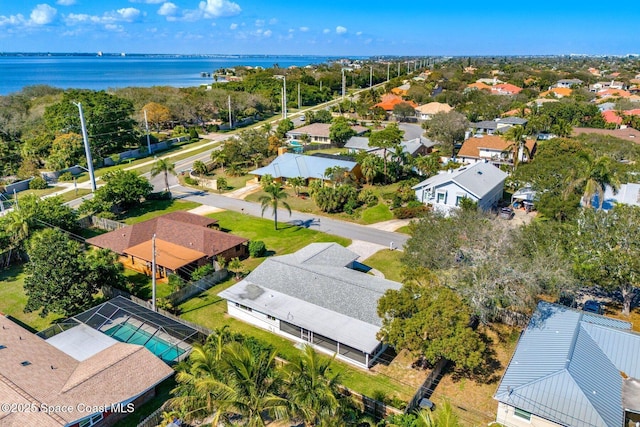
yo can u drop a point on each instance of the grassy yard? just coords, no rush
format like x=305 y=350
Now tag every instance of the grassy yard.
x=142 y=284
x=378 y=213
x=13 y=299
x=388 y=262
x=153 y=208
x=288 y=238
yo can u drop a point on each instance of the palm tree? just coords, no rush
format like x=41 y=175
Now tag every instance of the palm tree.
x=369 y=167
x=200 y=168
x=518 y=146
x=594 y=177
x=18 y=229
x=312 y=390
x=428 y=165
x=219 y=158
x=251 y=386
x=165 y=167
x=235 y=265
x=275 y=195
x=296 y=183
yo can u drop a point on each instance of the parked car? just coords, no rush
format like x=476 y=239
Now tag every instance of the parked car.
x=593 y=306
x=507 y=213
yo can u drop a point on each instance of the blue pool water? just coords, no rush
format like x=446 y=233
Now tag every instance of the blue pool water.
x=129 y=333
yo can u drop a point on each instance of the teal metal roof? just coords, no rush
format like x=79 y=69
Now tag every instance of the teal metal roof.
x=567 y=367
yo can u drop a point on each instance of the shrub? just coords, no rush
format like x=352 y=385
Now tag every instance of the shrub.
x=191 y=181
x=38 y=183
x=414 y=204
x=202 y=271
x=175 y=282
x=257 y=248
x=193 y=133
x=66 y=176
x=407 y=212
x=159 y=195
x=115 y=158
x=368 y=197
x=213 y=128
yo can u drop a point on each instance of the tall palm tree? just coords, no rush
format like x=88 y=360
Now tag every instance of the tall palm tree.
x=219 y=158
x=163 y=166
x=312 y=390
x=274 y=197
x=369 y=167
x=296 y=183
x=18 y=229
x=518 y=147
x=593 y=178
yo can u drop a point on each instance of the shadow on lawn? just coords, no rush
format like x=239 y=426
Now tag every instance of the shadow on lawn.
x=207 y=304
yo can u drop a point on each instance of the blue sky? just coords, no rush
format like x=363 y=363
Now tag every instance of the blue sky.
x=322 y=27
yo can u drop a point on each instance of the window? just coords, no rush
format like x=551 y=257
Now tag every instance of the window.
x=271 y=317
x=243 y=307
x=458 y=200
x=441 y=197
x=92 y=420
x=522 y=414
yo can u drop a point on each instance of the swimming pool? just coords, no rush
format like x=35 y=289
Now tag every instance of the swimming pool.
x=126 y=332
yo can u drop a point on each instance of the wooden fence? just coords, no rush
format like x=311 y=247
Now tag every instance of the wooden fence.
x=426 y=389
x=101 y=223
x=197 y=286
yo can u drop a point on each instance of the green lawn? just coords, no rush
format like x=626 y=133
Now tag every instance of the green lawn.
x=288 y=238
x=377 y=213
x=13 y=299
x=388 y=262
x=406 y=230
x=153 y=208
x=143 y=286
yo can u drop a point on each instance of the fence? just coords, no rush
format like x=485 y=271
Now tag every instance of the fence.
x=154 y=418
x=102 y=223
x=426 y=388
x=17 y=186
x=197 y=287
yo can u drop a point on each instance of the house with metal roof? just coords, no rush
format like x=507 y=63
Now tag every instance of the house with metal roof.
x=412 y=147
x=572 y=368
x=315 y=296
x=290 y=165
x=481 y=182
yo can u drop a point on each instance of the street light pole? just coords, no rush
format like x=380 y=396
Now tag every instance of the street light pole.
x=388 y=69
x=344 y=84
x=284 y=99
x=153 y=273
x=87 y=149
x=370 y=75
x=230 y=120
x=146 y=125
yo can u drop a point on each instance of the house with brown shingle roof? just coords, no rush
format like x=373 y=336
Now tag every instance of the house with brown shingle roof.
x=53 y=389
x=183 y=241
x=628 y=134
x=492 y=148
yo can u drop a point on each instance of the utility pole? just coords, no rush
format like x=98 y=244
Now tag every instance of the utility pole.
x=284 y=99
x=153 y=273
x=398 y=69
x=344 y=84
x=388 y=69
x=87 y=149
x=370 y=75
x=230 y=120
x=146 y=125
x=299 y=99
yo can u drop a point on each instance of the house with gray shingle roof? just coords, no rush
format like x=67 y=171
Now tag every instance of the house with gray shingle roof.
x=316 y=297
x=572 y=368
x=481 y=182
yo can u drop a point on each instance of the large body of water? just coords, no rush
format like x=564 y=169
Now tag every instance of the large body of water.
x=90 y=71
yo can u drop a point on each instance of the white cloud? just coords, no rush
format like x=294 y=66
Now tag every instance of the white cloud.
x=129 y=13
x=147 y=1
x=218 y=8
x=304 y=29
x=12 y=20
x=259 y=22
x=168 y=9
x=42 y=14
x=326 y=31
x=340 y=29
x=233 y=26
x=66 y=2
x=273 y=21
x=267 y=33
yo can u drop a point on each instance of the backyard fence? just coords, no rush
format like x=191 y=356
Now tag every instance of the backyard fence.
x=197 y=287
x=101 y=223
x=154 y=418
x=426 y=389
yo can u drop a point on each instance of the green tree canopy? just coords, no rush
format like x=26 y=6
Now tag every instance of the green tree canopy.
x=122 y=189
x=62 y=278
x=447 y=129
x=430 y=321
x=340 y=131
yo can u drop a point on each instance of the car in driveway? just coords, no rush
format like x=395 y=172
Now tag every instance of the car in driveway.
x=593 y=306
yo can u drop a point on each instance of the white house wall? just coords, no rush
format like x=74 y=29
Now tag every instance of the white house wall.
x=506 y=417
x=263 y=321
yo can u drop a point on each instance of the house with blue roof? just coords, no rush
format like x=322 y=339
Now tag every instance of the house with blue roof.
x=572 y=368
x=290 y=165
x=480 y=182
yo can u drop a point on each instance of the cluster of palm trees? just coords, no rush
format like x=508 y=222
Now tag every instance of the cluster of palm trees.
x=228 y=380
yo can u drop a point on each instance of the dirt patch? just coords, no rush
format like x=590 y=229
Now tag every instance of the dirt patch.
x=399 y=368
x=473 y=399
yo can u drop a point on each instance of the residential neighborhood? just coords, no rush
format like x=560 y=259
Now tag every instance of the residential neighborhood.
x=405 y=240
